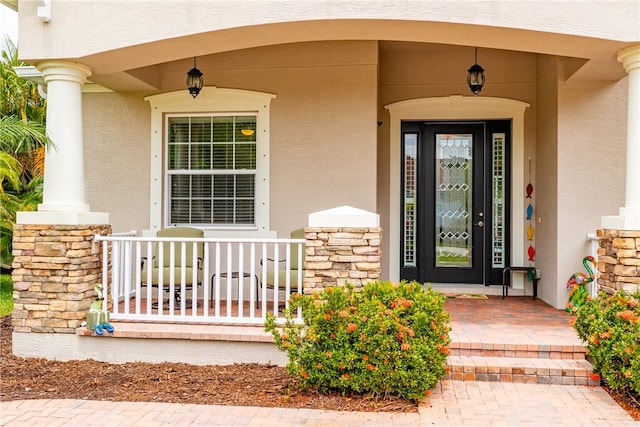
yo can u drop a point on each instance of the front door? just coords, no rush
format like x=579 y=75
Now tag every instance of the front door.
x=455 y=201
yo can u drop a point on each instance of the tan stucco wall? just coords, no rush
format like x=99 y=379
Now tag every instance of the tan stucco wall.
x=137 y=22
x=323 y=131
x=592 y=125
x=116 y=155
x=546 y=184
x=581 y=137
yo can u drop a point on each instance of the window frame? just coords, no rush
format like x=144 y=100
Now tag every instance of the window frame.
x=211 y=101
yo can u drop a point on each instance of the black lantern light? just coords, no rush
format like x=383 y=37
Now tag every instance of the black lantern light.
x=194 y=80
x=475 y=78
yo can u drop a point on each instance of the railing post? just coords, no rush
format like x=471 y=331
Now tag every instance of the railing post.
x=343 y=246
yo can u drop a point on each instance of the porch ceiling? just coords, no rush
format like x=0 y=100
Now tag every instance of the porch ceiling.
x=139 y=67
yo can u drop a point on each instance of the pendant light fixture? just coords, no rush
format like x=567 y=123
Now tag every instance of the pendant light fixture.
x=194 y=80
x=475 y=78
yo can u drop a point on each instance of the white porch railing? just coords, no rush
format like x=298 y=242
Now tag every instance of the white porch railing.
x=593 y=239
x=238 y=281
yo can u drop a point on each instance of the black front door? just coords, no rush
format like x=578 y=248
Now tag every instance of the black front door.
x=454 y=201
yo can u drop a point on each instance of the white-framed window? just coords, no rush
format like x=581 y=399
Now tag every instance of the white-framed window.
x=210 y=160
x=211 y=169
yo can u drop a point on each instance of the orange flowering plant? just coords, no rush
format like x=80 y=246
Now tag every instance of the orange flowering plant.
x=610 y=325
x=385 y=339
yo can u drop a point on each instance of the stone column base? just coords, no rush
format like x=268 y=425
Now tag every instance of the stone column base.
x=619 y=261
x=336 y=256
x=55 y=269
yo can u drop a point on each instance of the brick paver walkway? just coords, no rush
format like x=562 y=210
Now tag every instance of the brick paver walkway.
x=453 y=403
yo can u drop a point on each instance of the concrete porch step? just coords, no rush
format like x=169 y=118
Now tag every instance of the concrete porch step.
x=526 y=370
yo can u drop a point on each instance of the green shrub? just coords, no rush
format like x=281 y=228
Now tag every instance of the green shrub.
x=610 y=325
x=6 y=295
x=387 y=339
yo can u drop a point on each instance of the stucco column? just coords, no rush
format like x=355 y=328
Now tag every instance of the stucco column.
x=629 y=215
x=63 y=195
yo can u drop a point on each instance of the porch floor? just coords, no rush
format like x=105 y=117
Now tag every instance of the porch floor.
x=510 y=327
x=475 y=323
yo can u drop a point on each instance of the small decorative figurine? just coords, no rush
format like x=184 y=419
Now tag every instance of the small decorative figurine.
x=577 y=285
x=532 y=253
x=529 y=211
x=530 y=232
x=97 y=318
x=529 y=191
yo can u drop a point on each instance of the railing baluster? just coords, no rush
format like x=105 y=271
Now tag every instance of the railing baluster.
x=149 y=267
x=160 y=289
x=253 y=291
x=276 y=277
x=229 y=277
x=287 y=286
x=137 y=278
x=115 y=274
x=105 y=273
x=217 y=284
x=183 y=278
x=263 y=290
x=206 y=283
x=240 y=279
x=126 y=275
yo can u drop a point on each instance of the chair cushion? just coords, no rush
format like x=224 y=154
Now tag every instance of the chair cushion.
x=165 y=247
x=177 y=276
x=282 y=278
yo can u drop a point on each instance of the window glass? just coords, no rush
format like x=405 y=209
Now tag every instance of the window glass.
x=211 y=168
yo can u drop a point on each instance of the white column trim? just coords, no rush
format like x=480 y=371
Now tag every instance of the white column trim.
x=63 y=194
x=629 y=215
x=457 y=107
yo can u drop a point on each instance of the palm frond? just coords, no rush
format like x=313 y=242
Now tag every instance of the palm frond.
x=18 y=136
x=10 y=172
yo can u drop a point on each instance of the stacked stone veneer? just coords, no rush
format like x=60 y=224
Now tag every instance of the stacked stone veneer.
x=55 y=269
x=337 y=255
x=619 y=261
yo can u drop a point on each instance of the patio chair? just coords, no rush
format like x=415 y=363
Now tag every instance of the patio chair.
x=188 y=268
x=296 y=266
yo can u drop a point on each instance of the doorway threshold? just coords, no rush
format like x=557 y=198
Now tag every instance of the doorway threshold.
x=467 y=288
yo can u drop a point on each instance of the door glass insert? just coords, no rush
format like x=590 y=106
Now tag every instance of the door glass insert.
x=497 y=184
x=453 y=188
x=410 y=151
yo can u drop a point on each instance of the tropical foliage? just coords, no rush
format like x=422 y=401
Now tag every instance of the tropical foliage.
x=610 y=325
x=387 y=339
x=6 y=295
x=22 y=141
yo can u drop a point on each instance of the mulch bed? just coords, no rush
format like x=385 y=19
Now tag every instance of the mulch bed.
x=235 y=385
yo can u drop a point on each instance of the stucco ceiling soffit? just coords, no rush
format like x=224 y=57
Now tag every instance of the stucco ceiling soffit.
x=122 y=82
x=597 y=70
x=569 y=66
x=149 y=75
x=173 y=49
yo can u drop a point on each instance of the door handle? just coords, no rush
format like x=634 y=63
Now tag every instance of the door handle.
x=479 y=223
